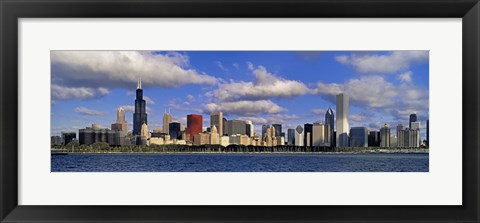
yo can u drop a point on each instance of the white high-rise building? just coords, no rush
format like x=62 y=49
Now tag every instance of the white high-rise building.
x=299 y=134
x=342 y=120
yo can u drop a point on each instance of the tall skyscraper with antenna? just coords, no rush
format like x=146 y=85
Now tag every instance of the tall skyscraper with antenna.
x=140 y=114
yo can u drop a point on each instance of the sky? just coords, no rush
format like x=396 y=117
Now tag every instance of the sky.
x=267 y=87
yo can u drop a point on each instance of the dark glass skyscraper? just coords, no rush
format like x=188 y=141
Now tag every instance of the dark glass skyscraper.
x=140 y=114
x=308 y=128
x=329 y=120
x=278 y=129
x=413 y=118
x=174 y=130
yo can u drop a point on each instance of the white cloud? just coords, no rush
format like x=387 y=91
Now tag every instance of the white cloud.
x=129 y=108
x=86 y=111
x=123 y=69
x=265 y=86
x=357 y=118
x=148 y=100
x=190 y=97
x=319 y=111
x=244 y=107
x=374 y=92
x=270 y=118
x=236 y=66
x=220 y=65
x=383 y=64
x=405 y=77
x=367 y=91
x=63 y=93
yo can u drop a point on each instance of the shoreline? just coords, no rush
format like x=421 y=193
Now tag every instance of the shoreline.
x=250 y=153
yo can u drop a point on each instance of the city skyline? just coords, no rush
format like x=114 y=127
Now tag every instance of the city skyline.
x=263 y=87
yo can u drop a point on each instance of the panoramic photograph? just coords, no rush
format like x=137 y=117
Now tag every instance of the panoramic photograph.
x=239 y=111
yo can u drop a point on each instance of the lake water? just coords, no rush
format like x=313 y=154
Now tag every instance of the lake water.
x=240 y=163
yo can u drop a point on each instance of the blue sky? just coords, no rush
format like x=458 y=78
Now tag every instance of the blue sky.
x=266 y=87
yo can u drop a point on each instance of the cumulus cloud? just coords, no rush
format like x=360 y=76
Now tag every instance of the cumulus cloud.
x=391 y=62
x=190 y=97
x=319 y=111
x=116 y=69
x=366 y=91
x=405 y=77
x=86 y=111
x=63 y=93
x=265 y=86
x=131 y=108
x=128 y=108
x=244 y=107
x=270 y=118
x=357 y=118
x=148 y=100
x=374 y=92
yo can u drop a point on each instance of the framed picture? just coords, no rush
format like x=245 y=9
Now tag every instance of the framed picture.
x=239 y=111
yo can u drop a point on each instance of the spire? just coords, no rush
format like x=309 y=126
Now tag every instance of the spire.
x=139 y=84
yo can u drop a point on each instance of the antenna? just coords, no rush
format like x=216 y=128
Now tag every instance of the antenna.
x=139 y=84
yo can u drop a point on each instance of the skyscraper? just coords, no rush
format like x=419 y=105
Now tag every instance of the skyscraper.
x=216 y=119
x=299 y=136
x=264 y=129
x=307 y=128
x=121 y=126
x=374 y=138
x=174 y=130
x=330 y=120
x=224 y=127
x=236 y=127
x=413 y=118
x=428 y=137
x=320 y=133
x=385 y=136
x=416 y=126
x=249 y=128
x=358 y=137
x=167 y=119
x=342 y=120
x=194 y=125
x=278 y=129
x=140 y=114
x=291 y=136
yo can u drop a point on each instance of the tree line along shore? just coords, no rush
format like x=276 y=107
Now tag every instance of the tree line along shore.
x=101 y=147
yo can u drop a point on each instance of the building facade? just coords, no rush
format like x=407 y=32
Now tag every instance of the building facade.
x=385 y=136
x=174 y=130
x=167 y=119
x=359 y=137
x=291 y=136
x=68 y=137
x=342 y=101
x=299 y=136
x=307 y=128
x=194 y=125
x=216 y=119
x=236 y=127
x=140 y=114
x=374 y=138
x=413 y=118
x=330 y=121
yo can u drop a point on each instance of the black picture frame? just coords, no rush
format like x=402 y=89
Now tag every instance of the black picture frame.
x=12 y=10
